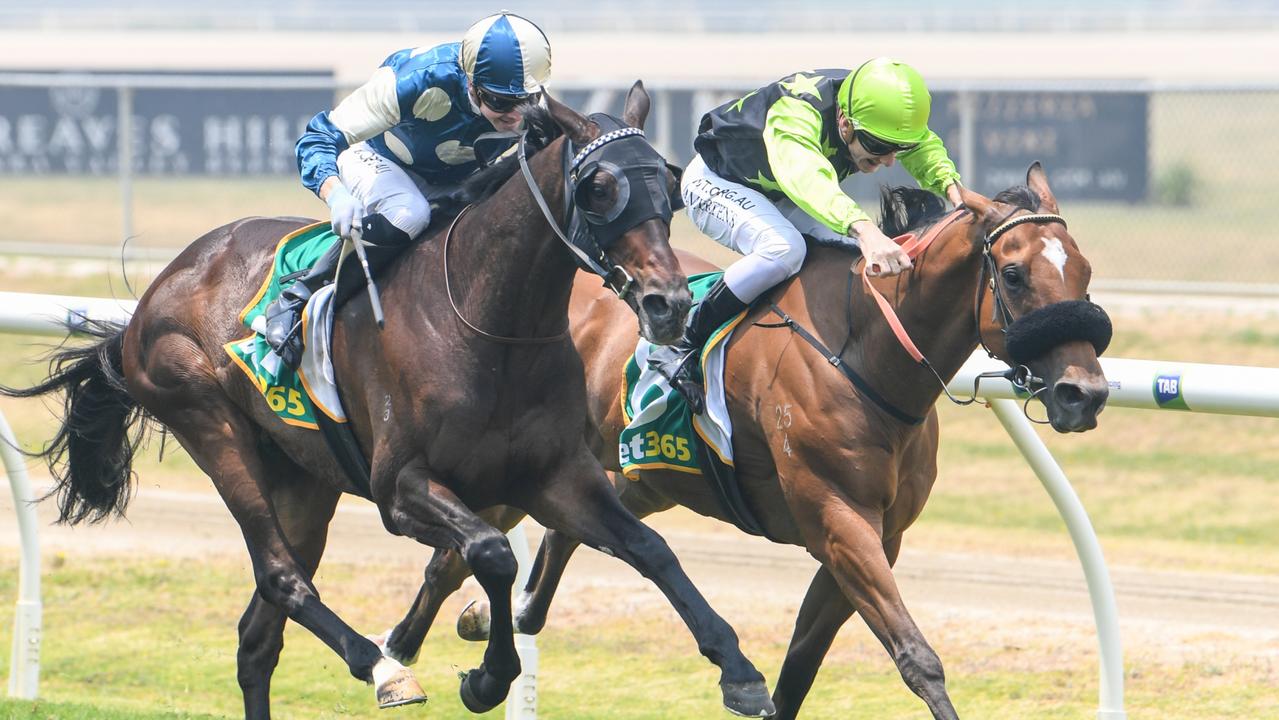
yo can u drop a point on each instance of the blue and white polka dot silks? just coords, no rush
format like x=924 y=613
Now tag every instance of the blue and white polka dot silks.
x=416 y=110
x=506 y=54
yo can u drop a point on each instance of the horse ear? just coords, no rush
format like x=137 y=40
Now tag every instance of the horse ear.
x=637 y=104
x=1037 y=179
x=979 y=205
x=576 y=126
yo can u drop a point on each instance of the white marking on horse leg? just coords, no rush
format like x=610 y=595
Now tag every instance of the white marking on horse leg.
x=522 y=600
x=1056 y=254
x=384 y=670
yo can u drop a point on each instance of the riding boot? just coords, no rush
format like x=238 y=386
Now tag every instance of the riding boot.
x=676 y=362
x=284 y=315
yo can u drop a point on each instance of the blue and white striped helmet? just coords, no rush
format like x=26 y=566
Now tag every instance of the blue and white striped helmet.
x=506 y=54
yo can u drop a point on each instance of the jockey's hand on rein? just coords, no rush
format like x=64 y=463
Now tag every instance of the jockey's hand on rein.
x=345 y=210
x=884 y=257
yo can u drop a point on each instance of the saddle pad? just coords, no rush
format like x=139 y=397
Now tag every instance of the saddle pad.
x=660 y=430
x=293 y=396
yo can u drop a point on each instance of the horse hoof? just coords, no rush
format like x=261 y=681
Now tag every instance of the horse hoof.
x=473 y=623
x=470 y=694
x=401 y=688
x=748 y=699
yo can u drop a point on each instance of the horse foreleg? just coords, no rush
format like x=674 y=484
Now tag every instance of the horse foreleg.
x=427 y=511
x=557 y=549
x=579 y=502
x=821 y=615
x=305 y=510
x=444 y=574
x=850 y=546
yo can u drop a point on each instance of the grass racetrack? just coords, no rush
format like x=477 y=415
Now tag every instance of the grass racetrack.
x=144 y=635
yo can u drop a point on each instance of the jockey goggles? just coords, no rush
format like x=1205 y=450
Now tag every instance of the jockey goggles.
x=505 y=103
x=876 y=146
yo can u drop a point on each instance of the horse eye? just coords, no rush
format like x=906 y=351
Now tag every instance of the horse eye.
x=598 y=190
x=1012 y=276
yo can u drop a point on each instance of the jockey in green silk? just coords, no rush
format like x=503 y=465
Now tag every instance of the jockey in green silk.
x=767 y=174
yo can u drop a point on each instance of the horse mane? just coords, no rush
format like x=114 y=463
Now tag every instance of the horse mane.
x=481 y=185
x=1020 y=196
x=902 y=209
x=907 y=209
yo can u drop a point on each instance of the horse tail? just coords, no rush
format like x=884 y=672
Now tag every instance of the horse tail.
x=91 y=457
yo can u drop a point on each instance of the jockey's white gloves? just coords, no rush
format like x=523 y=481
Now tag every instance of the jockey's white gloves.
x=884 y=257
x=345 y=210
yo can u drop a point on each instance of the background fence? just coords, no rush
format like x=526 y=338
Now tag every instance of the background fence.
x=1168 y=187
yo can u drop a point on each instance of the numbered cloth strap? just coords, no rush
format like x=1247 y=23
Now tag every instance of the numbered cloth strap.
x=660 y=430
x=285 y=391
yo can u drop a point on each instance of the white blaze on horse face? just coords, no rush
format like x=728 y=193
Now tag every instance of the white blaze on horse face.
x=1055 y=252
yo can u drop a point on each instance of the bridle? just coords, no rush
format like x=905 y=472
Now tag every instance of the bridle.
x=1083 y=319
x=633 y=162
x=990 y=267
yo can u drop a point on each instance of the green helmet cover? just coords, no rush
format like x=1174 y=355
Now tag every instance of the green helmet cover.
x=888 y=99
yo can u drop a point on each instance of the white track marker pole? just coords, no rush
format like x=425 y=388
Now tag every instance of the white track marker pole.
x=1102 y=593
x=521 y=702
x=24 y=663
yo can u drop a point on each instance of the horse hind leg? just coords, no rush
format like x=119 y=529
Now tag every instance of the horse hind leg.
x=227 y=453
x=310 y=509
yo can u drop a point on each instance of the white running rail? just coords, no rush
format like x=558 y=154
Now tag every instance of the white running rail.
x=1149 y=384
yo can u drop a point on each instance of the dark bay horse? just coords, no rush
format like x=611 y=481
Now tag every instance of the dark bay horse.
x=473 y=396
x=820 y=464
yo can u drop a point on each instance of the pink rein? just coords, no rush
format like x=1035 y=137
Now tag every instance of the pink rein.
x=914 y=246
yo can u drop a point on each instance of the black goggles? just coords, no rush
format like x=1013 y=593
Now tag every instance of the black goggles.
x=876 y=146
x=504 y=103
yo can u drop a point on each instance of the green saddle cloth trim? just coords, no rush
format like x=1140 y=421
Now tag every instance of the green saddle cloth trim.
x=668 y=440
x=283 y=388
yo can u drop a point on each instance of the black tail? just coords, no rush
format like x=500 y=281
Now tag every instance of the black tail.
x=91 y=457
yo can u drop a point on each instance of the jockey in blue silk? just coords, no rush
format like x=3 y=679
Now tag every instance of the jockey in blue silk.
x=404 y=137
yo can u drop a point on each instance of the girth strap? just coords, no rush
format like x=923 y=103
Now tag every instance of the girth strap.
x=833 y=358
x=728 y=491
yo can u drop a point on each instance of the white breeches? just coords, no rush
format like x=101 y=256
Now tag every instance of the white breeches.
x=770 y=234
x=386 y=187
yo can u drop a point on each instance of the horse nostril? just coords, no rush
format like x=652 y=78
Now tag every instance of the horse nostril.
x=657 y=307
x=1067 y=394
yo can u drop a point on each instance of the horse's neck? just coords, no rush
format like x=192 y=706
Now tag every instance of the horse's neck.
x=934 y=303
x=508 y=272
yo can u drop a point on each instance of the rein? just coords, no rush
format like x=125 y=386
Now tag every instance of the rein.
x=914 y=246
x=615 y=276
x=448 y=290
